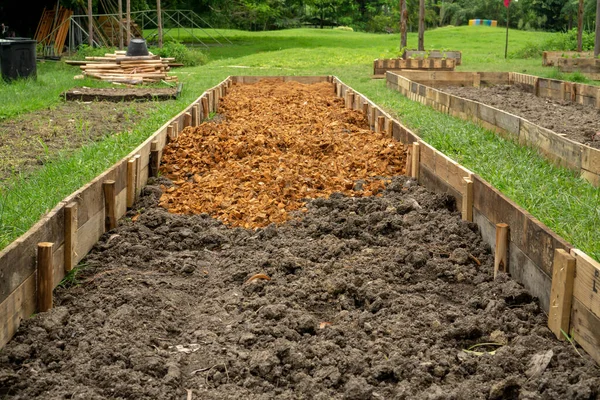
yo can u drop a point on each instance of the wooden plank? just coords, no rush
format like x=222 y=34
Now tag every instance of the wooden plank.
x=507 y=122
x=88 y=235
x=585 y=328
x=19 y=305
x=586 y=287
x=429 y=180
x=592 y=178
x=590 y=159
x=563 y=274
x=467 y=201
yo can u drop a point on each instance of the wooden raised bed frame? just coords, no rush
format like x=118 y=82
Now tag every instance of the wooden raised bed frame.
x=585 y=160
x=535 y=258
x=433 y=54
x=380 y=67
x=550 y=58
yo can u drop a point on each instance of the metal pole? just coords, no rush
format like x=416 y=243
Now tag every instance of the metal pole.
x=159 y=20
x=90 y=25
x=120 y=5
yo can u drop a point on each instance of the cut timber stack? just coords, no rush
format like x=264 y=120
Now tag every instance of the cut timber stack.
x=118 y=67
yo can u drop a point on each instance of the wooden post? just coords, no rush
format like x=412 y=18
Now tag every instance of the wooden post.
x=187 y=119
x=365 y=109
x=408 y=168
x=467 y=201
x=389 y=128
x=138 y=176
x=403 y=20
x=176 y=129
x=120 y=12
x=90 y=24
x=170 y=134
x=131 y=173
x=128 y=16
x=421 y=25
x=159 y=22
x=335 y=84
x=349 y=98
x=205 y=112
x=70 y=235
x=380 y=124
x=154 y=159
x=597 y=38
x=415 y=160
x=373 y=120
x=45 y=276
x=110 y=221
x=216 y=100
x=501 y=254
x=561 y=294
x=476 y=80
x=195 y=116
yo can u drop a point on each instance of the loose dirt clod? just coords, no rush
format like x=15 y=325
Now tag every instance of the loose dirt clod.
x=274 y=145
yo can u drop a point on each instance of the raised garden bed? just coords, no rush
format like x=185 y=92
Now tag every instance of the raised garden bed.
x=550 y=58
x=590 y=67
x=122 y=94
x=380 y=67
x=433 y=55
x=355 y=297
x=579 y=151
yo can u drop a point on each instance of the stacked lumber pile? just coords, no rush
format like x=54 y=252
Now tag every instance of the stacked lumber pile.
x=118 y=67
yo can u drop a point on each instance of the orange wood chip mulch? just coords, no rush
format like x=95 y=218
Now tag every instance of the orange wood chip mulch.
x=273 y=145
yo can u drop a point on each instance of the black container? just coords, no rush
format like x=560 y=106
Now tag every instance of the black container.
x=17 y=58
x=137 y=47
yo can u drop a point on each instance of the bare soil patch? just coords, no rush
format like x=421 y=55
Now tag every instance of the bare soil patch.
x=578 y=122
x=33 y=139
x=273 y=145
x=368 y=298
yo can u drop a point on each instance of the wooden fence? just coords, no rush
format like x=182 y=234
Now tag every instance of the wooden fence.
x=565 y=280
x=585 y=160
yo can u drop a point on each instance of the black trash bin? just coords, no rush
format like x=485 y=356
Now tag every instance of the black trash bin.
x=17 y=58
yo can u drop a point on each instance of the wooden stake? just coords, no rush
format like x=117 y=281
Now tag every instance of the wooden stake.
x=205 y=112
x=110 y=221
x=128 y=16
x=476 y=80
x=176 y=128
x=120 y=12
x=138 y=176
x=170 y=135
x=380 y=124
x=467 y=201
x=195 y=115
x=154 y=159
x=409 y=160
x=389 y=128
x=187 y=119
x=131 y=172
x=561 y=294
x=501 y=254
x=349 y=98
x=70 y=235
x=335 y=87
x=415 y=160
x=45 y=273
x=373 y=121
x=421 y=45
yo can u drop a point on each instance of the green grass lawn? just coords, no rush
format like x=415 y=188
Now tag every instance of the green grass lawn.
x=554 y=195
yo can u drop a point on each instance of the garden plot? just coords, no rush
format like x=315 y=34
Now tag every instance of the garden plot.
x=577 y=122
x=357 y=297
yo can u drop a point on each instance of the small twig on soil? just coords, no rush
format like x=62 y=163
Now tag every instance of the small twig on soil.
x=194 y=372
x=257 y=276
x=226 y=371
x=189 y=394
x=475 y=259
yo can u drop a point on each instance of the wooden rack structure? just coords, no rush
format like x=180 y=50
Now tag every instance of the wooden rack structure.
x=564 y=279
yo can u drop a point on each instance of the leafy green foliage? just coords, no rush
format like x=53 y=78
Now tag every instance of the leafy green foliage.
x=182 y=54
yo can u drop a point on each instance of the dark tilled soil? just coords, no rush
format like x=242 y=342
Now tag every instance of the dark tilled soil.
x=120 y=94
x=33 y=139
x=578 y=122
x=368 y=298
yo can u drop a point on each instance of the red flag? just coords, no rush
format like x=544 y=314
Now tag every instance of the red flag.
x=506 y=3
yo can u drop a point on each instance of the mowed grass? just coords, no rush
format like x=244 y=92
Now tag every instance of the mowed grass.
x=556 y=196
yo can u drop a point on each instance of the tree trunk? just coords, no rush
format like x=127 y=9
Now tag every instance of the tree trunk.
x=403 y=18
x=90 y=24
x=159 y=20
x=580 y=26
x=422 y=24
x=120 y=5
x=597 y=40
x=128 y=16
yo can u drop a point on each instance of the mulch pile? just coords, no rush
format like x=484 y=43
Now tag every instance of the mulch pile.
x=274 y=145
